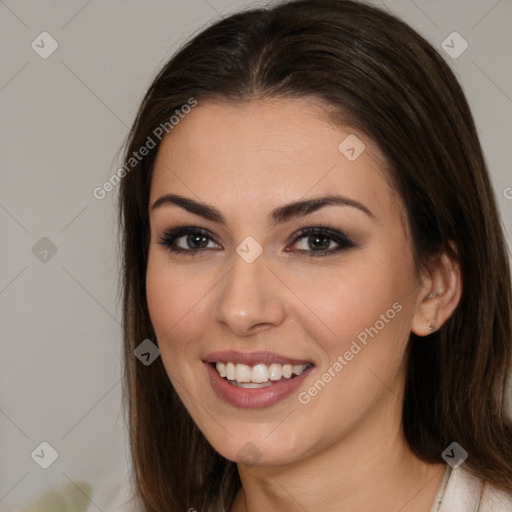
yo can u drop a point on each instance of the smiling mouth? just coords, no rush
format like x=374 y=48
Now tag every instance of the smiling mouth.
x=259 y=375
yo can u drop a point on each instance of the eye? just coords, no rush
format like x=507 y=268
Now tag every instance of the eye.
x=319 y=241
x=189 y=240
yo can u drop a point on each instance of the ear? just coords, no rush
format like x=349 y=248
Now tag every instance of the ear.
x=441 y=289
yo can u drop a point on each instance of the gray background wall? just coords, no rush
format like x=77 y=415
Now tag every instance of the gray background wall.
x=63 y=119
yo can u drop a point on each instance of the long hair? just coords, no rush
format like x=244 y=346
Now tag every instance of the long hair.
x=376 y=74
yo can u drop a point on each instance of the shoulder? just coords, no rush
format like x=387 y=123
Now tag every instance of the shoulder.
x=494 y=500
x=467 y=493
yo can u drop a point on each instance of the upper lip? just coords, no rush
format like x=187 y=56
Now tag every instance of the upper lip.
x=252 y=358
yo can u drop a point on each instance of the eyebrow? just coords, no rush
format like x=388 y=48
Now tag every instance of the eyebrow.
x=277 y=216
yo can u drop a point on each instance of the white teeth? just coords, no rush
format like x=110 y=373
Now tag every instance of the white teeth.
x=297 y=369
x=259 y=375
x=251 y=384
x=230 y=371
x=287 y=371
x=243 y=373
x=221 y=368
x=276 y=371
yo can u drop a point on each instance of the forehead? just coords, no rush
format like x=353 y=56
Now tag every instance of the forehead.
x=268 y=151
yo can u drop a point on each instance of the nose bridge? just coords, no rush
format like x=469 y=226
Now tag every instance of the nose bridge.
x=249 y=296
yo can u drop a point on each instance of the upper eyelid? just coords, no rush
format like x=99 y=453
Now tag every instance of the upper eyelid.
x=181 y=231
x=189 y=228
x=330 y=232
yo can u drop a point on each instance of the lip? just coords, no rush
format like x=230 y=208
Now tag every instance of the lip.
x=253 y=398
x=252 y=358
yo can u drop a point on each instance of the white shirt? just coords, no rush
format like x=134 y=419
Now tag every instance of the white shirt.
x=461 y=491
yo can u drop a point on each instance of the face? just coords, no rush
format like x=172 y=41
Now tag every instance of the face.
x=282 y=328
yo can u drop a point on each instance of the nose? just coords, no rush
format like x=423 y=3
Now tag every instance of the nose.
x=250 y=298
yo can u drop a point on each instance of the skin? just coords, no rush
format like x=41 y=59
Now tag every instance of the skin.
x=344 y=450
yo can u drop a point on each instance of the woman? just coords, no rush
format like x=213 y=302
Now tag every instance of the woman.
x=311 y=238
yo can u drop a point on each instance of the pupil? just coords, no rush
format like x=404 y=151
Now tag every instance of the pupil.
x=195 y=240
x=315 y=244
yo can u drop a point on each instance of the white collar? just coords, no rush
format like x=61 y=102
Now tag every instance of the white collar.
x=461 y=491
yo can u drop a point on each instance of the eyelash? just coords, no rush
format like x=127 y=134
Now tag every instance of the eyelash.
x=343 y=241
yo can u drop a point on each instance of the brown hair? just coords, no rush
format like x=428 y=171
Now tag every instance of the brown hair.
x=387 y=81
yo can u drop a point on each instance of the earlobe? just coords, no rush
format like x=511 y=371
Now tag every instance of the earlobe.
x=440 y=294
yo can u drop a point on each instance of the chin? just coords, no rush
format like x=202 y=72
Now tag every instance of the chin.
x=256 y=447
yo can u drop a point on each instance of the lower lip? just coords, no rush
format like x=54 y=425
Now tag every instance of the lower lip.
x=253 y=398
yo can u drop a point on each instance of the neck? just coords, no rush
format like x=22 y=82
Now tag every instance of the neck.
x=370 y=470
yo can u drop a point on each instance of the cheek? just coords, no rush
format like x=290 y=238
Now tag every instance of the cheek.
x=358 y=303
x=161 y=294
x=179 y=305
x=366 y=313
x=362 y=360
x=172 y=298
x=170 y=302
